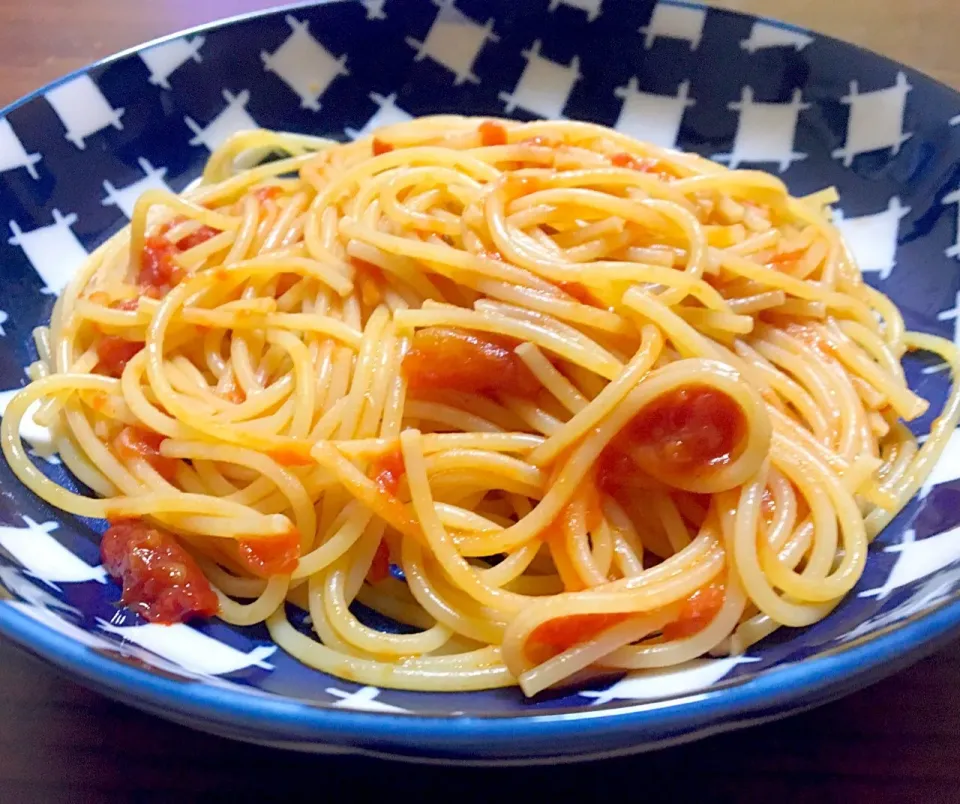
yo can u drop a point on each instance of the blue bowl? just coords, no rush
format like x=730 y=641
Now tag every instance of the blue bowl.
x=744 y=91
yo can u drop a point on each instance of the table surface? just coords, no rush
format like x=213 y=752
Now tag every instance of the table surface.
x=897 y=741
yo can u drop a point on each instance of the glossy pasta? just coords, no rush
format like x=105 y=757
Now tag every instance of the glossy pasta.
x=557 y=400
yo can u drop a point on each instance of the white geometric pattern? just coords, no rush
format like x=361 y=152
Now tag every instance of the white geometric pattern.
x=454 y=41
x=164 y=59
x=670 y=21
x=592 y=7
x=763 y=35
x=304 y=65
x=14 y=581
x=654 y=118
x=53 y=251
x=363 y=700
x=954 y=198
x=947 y=469
x=232 y=119
x=765 y=131
x=3 y=320
x=374 y=9
x=12 y=153
x=387 y=114
x=191 y=649
x=39 y=438
x=125 y=198
x=44 y=557
x=83 y=109
x=45 y=616
x=876 y=120
x=940 y=587
x=544 y=87
x=672 y=682
x=873 y=238
x=917 y=559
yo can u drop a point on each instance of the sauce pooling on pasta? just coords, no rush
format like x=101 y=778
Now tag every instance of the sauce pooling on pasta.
x=442 y=358
x=690 y=429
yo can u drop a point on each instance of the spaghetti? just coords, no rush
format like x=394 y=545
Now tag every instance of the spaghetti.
x=557 y=400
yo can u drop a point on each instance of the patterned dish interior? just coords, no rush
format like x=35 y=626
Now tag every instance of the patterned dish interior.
x=75 y=157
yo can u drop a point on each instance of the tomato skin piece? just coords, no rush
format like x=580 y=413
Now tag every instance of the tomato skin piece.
x=160 y=579
x=159 y=271
x=114 y=352
x=387 y=471
x=202 y=235
x=696 y=612
x=449 y=358
x=270 y=555
x=381 y=147
x=553 y=637
x=691 y=428
x=133 y=442
x=690 y=431
x=492 y=133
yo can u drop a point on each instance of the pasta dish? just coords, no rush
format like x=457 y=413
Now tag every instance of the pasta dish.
x=555 y=401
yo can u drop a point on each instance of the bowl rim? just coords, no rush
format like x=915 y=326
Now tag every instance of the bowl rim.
x=300 y=723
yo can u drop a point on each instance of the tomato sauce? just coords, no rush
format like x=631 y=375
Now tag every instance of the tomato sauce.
x=157 y=267
x=159 y=271
x=786 y=261
x=160 y=579
x=270 y=555
x=133 y=442
x=380 y=567
x=271 y=191
x=617 y=474
x=288 y=456
x=579 y=292
x=688 y=431
x=388 y=470
x=561 y=633
x=114 y=352
x=644 y=165
x=381 y=147
x=442 y=358
x=202 y=235
x=696 y=612
x=492 y=133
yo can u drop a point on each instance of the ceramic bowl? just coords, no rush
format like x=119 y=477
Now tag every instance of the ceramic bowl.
x=75 y=155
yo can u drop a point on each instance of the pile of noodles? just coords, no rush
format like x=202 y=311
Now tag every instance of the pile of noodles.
x=600 y=405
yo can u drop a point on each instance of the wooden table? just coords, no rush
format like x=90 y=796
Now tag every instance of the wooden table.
x=897 y=741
